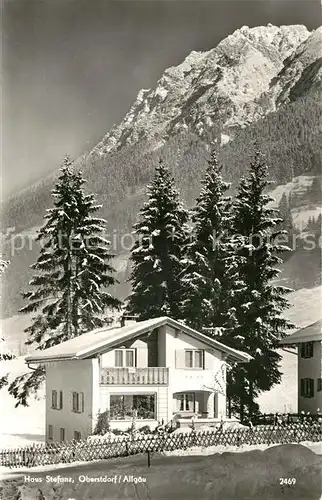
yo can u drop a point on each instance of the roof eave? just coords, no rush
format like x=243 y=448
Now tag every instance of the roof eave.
x=88 y=352
x=40 y=360
x=297 y=340
x=232 y=353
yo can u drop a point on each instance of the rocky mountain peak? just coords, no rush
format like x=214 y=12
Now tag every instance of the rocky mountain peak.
x=219 y=86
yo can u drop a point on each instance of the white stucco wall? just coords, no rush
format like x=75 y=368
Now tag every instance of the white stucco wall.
x=179 y=341
x=310 y=368
x=72 y=376
x=185 y=379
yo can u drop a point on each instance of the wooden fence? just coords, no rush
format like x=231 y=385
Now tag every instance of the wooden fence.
x=98 y=449
x=286 y=418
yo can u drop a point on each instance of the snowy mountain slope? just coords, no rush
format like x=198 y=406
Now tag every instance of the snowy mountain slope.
x=219 y=86
x=298 y=189
x=302 y=70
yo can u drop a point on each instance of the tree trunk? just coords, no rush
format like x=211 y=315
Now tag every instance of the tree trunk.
x=250 y=402
x=241 y=409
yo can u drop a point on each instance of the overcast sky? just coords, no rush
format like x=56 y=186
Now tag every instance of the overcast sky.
x=73 y=67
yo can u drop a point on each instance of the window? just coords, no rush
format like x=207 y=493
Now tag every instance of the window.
x=124 y=358
x=62 y=434
x=307 y=350
x=122 y=406
x=319 y=385
x=54 y=399
x=50 y=432
x=194 y=359
x=77 y=436
x=57 y=401
x=78 y=402
x=186 y=402
x=307 y=387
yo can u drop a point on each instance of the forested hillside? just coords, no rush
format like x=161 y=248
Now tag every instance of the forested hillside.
x=290 y=138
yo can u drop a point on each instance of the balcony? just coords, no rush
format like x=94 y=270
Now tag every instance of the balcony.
x=134 y=376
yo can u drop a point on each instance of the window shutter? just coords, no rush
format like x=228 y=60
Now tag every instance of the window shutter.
x=319 y=385
x=302 y=386
x=82 y=402
x=60 y=400
x=180 y=358
x=311 y=385
x=142 y=357
x=74 y=401
x=208 y=360
x=311 y=349
x=302 y=350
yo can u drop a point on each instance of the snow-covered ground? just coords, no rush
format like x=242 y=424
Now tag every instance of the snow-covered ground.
x=6 y=473
x=250 y=474
x=23 y=425
x=211 y=450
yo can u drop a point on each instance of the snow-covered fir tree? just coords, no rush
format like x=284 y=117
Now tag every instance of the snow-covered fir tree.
x=258 y=324
x=5 y=353
x=69 y=291
x=157 y=255
x=285 y=214
x=208 y=276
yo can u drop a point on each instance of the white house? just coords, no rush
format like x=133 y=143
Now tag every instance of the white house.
x=309 y=367
x=158 y=367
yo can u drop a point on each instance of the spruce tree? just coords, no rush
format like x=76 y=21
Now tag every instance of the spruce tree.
x=259 y=302
x=69 y=292
x=286 y=216
x=208 y=276
x=5 y=354
x=157 y=255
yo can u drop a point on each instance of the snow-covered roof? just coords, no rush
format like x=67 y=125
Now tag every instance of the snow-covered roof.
x=103 y=339
x=310 y=333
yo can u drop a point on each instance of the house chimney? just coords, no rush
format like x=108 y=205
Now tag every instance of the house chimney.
x=127 y=320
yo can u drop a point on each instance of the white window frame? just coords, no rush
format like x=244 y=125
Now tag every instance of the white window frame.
x=184 y=400
x=194 y=351
x=124 y=364
x=77 y=402
x=129 y=417
x=56 y=400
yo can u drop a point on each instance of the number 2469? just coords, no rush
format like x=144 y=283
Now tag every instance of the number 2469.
x=287 y=480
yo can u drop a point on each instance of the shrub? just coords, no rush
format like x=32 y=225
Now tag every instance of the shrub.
x=103 y=423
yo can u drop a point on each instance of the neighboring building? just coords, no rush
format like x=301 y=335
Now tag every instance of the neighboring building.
x=309 y=368
x=158 y=367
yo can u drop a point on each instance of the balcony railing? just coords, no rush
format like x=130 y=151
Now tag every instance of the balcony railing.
x=134 y=376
